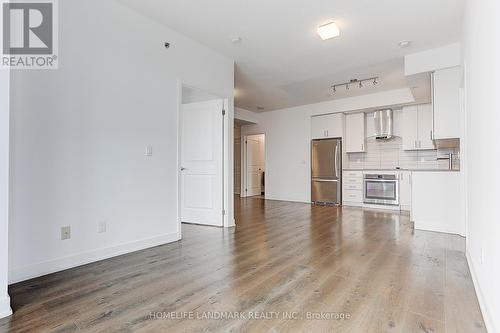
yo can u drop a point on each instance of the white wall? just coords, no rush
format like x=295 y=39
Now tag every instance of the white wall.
x=247 y=116
x=482 y=80
x=4 y=192
x=288 y=140
x=79 y=135
x=430 y=60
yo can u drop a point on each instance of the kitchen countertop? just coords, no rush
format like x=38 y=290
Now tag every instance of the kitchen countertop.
x=396 y=170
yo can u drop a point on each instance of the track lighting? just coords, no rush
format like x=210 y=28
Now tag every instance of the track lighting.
x=361 y=83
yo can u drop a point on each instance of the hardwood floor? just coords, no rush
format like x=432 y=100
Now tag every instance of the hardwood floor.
x=366 y=271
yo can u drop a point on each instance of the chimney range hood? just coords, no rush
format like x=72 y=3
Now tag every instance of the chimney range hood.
x=383 y=124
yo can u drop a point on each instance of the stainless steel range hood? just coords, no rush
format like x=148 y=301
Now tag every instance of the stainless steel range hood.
x=383 y=124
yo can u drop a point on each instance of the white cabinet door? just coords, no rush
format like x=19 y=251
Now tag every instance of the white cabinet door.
x=355 y=133
x=327 y=126
x=318 y=127
x=410 y=128
x=446 y=103
x=335 y=125
x=425 y=141
x=405 y=190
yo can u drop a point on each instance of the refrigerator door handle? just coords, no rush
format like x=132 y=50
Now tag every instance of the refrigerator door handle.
x=336 y=161
x=325 y=180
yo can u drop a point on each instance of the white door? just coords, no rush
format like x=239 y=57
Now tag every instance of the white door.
x=425 y=127
x=255 y=165
x=405 y=190
x=410 y=128
x=201 y=163
x=318 y=127
x=355 y=133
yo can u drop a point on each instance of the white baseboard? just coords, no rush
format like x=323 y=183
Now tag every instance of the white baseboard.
x=286 y=199
x=59 y=264
x=5 y=309
x=432 y=226
x=488 y=319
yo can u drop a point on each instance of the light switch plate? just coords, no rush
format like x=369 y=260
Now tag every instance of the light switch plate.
x=148 y=151
x=103 y=227
x=65 y=233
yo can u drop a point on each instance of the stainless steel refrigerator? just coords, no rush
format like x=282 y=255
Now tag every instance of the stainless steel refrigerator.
x=326 y=171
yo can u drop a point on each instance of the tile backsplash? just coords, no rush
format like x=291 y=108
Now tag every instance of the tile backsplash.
x=390 y=154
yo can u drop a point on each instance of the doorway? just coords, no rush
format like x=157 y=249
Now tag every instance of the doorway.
x=201 y=158
x=254 y=165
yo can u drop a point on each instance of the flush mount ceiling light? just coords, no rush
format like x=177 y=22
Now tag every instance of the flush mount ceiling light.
x=404 y=43
x=328 y=30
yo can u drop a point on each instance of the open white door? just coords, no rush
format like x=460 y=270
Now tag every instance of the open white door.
x=201 y=163
x=255 y=164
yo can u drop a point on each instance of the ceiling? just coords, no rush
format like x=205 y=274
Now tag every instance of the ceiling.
x=282 y=62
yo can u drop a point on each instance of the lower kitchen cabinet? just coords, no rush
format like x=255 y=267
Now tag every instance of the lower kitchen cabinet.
x=405 y=190
x=437 y=201
x=352 y=188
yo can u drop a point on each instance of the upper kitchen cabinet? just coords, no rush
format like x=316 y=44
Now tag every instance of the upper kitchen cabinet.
x=417 y=127
x=355 y=133
x=327 y=126
x=446 y=103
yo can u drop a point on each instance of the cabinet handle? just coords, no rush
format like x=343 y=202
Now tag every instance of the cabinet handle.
x=432 y=136
x=362 y=147
x=415 y=144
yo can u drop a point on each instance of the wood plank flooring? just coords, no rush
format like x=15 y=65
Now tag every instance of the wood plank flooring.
x=352 y=270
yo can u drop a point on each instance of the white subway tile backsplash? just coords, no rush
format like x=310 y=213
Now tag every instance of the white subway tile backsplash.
x=390 y=155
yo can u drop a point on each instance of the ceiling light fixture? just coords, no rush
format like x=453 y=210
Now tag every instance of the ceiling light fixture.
x=404 y=43
x=361 y=83
x=328 y=30
x=236 y=40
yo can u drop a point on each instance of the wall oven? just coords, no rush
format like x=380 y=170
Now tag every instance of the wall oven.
x=381 y=189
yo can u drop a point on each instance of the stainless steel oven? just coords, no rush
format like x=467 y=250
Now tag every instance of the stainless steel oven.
x=381 y=189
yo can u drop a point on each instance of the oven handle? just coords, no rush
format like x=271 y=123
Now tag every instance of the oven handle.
x=382 y=180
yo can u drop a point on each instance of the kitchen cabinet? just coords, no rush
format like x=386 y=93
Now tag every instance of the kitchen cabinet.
x=405 y=190
x=327 y=126
x=437 y=201
x=352 y=188
x=417 y=127
x=446 y=103
x=355 y=133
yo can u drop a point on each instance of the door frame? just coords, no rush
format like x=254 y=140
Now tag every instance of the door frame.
x=243 y=193
x=227 y=155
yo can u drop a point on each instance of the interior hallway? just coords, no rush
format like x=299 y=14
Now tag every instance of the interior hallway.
x=283 y=257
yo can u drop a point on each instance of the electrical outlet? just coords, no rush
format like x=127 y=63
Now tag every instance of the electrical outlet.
x=148 y=151
x=65 y=233
x=103 y=227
